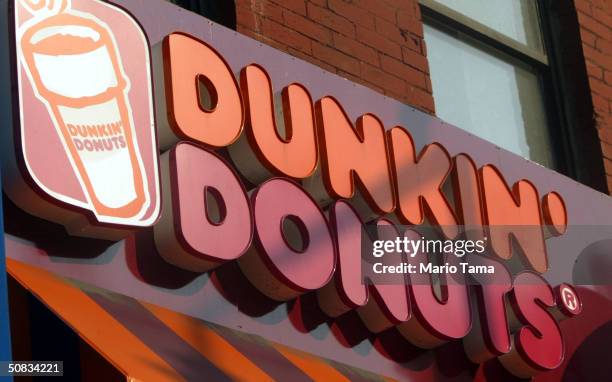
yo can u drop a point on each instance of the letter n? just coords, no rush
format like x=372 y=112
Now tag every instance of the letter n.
x=354 y=155
x=513 y=216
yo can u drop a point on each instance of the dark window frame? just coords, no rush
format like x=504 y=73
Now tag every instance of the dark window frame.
x=220 y=11
x=562 y=73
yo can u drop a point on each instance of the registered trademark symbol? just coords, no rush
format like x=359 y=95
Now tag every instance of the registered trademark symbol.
x=568 y=300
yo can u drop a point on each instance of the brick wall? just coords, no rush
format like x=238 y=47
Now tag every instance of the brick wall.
x=595 y=19
x=377 y=43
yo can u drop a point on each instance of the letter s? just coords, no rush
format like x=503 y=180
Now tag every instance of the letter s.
x=538 y=346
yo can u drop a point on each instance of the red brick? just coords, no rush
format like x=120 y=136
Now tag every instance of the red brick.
x=350 y=38
x=400 y=36
x=597 y=86
x=605 y=135
x=602 y=17
x=268 y=9
x=246 y=18
x=417 y=12
x=375 y=75
x=605 y=124
x=408 y=21
x=402 y=5
x=601 y=4
x=335 y=58
x=608 y=77
x=416 y=60
x=408 y=7
x=331 y=20
x=353 y=13
x=286 y=36
x=609 y=180
x=606 y=149
x=390 y=30
x=420 y=98
x=608 y=165
x=379 y=42
x=360 y=80
x=297 y=6
x=311 y=59
x=599 y=58
x=356 y=49
x=600 y=104
x=587 y=37
x=403 y=71
x=248 y=32
x=379 y=8
x=416 y=43
x=583 y=6
x=603 y=46
x=594 y=70
x=266 y=40
x=593 y=25
x=307 y=27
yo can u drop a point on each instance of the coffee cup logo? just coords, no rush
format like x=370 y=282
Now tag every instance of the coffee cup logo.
x=86 y=102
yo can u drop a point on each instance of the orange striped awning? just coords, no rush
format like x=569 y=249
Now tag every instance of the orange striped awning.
x=149 y=343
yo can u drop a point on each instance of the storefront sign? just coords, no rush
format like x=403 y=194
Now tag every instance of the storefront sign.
x=83 y=154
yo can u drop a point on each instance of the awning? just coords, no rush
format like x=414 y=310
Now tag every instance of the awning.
x=149 y=343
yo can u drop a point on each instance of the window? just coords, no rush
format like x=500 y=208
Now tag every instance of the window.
x=516 y=19
x=486 y=60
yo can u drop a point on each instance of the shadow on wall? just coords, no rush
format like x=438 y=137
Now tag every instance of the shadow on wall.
x=591 y=357
x=594 y=267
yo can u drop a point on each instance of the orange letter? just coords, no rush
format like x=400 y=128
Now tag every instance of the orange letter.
x=293 y=153
x=189 y=65
x=468 y=202
x=354 y=154
x=419 y=182
x=513 y=214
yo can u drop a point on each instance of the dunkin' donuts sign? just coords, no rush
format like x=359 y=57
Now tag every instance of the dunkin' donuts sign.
x=86 y=134
x=286 y=197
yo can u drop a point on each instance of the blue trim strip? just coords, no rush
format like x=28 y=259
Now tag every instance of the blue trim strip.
x=5 y=335
x=5 y=339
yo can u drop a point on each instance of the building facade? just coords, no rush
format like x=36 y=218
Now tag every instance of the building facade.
x=383 y=45
x=186 y=185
